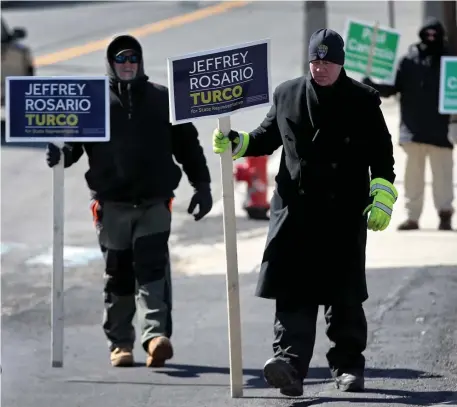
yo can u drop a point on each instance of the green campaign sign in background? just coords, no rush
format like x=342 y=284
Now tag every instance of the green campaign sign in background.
x=448 y=86
x=358 y=42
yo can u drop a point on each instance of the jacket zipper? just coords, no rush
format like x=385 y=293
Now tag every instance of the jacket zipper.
x=130 y=112
x=129 y=95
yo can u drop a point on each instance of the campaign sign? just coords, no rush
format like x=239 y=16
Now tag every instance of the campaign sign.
x=448 y=85
x=219 y=82
x=363 y=42
x=57 y=109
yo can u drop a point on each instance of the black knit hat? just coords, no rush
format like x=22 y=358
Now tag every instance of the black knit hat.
x=124 y=43
x=326 y=45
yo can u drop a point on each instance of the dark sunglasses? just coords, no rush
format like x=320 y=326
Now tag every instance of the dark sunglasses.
x=122 y=59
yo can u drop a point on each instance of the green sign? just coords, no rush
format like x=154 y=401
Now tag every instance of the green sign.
x=371 y=50
x=448 y=86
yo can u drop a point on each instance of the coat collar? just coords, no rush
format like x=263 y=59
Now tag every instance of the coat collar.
x=304 y=111
x=299 y=105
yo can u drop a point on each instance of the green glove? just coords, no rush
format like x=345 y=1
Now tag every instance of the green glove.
x=384 y=196
x=240 y=142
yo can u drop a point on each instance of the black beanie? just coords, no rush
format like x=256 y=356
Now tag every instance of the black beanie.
x=326 y=45
x=124 y=43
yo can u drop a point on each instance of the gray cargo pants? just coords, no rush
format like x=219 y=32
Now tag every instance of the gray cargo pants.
x=134 y=243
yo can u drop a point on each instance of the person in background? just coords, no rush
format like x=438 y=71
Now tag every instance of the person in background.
x=132 y=179
x=423 y=130
x=335 y=180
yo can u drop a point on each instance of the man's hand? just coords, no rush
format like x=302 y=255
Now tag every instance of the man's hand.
x=367 y=81
x=384 y=196
x=202 y=197
x=221 y=143
x=54 y=154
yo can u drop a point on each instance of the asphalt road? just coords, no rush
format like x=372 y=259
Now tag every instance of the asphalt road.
x=412 y=354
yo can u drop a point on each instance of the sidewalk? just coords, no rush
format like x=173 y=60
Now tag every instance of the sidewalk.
x=425 y=247
x=390 y=248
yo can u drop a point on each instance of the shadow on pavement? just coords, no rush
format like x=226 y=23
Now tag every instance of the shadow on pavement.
x=409 y=398
x=319 y=375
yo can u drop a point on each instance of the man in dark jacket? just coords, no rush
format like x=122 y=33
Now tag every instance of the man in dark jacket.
x=423 y=130
x=132 y=179
x=333 y=135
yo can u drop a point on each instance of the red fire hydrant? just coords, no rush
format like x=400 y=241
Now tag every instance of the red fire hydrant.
x=254 y=172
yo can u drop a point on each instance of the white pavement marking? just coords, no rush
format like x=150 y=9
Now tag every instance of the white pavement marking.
x=446 y=403
x=73 y=256
x=10 y=246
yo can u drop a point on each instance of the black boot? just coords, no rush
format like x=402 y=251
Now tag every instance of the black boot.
x=350 y=383
x=281 y=375
x=445 y=220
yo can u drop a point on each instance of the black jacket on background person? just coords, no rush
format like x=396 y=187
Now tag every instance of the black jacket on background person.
x=417 y=82
x=137 y=164
x=333 y=140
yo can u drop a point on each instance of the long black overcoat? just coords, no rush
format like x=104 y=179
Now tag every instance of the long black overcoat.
x=315 y=248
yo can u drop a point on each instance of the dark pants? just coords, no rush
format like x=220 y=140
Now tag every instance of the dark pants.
x=295 y=334
x=134 y=242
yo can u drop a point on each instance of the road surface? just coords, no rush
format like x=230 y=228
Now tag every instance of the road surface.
x=412 y=310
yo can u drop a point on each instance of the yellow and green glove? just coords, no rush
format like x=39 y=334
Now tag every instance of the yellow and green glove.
x=239 y=140
x=384 y=196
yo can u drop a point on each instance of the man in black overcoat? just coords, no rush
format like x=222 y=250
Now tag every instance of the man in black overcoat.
x=335 y=180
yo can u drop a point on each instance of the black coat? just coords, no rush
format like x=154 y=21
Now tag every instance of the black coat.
x=316 y=242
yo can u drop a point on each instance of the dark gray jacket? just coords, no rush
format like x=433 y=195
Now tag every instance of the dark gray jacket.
x=418 y=83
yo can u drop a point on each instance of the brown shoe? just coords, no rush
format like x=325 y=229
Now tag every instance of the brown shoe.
x=159 y=350
x=408 y=225
x=445 y=220
x=122 y=357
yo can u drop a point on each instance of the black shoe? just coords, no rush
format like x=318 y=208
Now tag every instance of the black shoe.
x=350 y=383
x=281 y=375
x=445 y=220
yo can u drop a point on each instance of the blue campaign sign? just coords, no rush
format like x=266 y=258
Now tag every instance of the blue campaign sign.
x=219 y=82
x=57 y=109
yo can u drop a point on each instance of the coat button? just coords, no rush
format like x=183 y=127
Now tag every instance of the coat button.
x=334 y=165
x=346 y=140
x=301 y=192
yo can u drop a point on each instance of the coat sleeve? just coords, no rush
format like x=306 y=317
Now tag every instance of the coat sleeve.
x=266 y=138
x=189 y=153
x=381 y=156
x=386 y=91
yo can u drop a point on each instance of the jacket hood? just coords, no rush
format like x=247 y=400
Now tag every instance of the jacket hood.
x=432 y=23
x=118 y=44
x=436 y=47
